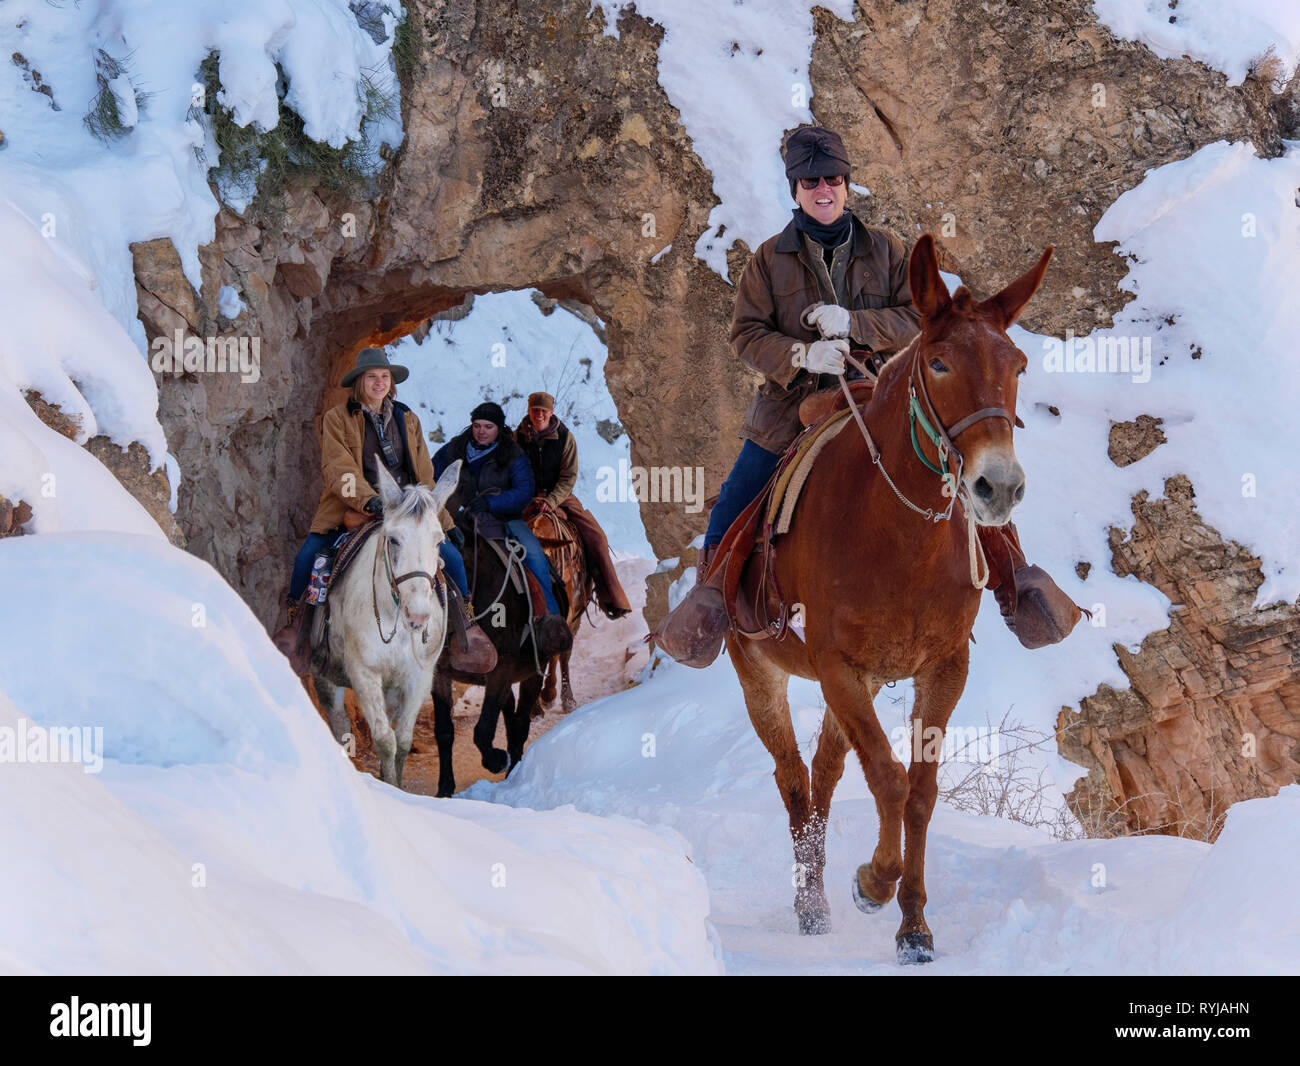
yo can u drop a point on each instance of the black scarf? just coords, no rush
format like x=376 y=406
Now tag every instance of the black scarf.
x=830 y=235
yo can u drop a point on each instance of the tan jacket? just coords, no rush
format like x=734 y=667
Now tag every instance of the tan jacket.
x=343 y=432
x=778 y=284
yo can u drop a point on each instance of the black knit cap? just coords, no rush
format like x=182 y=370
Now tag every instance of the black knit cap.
x=814 y=152
x=489 y=412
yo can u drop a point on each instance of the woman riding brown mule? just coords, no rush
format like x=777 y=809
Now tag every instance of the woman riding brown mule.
x=909 y=612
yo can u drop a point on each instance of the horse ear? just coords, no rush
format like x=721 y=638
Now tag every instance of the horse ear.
x=446 y=485
x=929 y=293
x=389 y=491
x=1007 y=305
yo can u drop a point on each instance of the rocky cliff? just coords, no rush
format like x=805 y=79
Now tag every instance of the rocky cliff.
x=536 y=147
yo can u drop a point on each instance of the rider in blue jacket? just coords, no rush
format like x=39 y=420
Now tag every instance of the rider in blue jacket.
x=496 y=484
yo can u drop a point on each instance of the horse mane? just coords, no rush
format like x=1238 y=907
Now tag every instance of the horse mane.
x=891 y=365
x=417 y=503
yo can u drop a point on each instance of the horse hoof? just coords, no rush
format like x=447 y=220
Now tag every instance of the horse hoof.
x=915 y=948
x=862 y=901
x=814 y=923
x=445 y=792
x=495 y=760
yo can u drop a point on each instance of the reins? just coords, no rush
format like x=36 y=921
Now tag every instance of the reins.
x=942 y=439
x=393 y=583
x=515 y=553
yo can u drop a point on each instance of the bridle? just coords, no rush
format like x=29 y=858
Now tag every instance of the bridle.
x=921 y=412
x=393 y=583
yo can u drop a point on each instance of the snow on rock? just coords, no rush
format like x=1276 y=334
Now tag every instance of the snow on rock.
x=58 y=340
x=150 y=183
x=226 y=833
x=679 y=752
x=759 y=51
x=229 y=303
x=73 y=204
x=1216 y=237
x=1225 y=36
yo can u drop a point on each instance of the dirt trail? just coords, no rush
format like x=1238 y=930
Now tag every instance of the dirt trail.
x=607 y=657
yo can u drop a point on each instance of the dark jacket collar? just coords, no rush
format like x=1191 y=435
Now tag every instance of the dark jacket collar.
x=507 y=449
x=398 y=407
x=791 y=240
x=525 y=434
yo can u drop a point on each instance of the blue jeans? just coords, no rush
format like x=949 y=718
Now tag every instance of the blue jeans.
x=454 y=565
x=318 y=542
x=754 y=465
x=534 y=559
x=315 y=542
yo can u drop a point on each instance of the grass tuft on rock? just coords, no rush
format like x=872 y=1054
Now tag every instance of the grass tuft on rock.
x=104 y=119
x=265 y=163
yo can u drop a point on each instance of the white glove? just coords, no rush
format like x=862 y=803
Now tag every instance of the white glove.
x=830 y=320
x=826 y=357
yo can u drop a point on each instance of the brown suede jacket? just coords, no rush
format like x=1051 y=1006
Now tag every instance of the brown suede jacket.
x=778 y=285
x=343 y=433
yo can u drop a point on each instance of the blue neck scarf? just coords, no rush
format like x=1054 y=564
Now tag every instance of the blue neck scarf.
x=474 y=453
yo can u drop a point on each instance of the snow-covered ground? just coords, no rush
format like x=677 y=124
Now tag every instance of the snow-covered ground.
x=679 y=752
x=223 y=830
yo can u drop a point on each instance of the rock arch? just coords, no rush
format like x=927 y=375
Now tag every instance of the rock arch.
x=536 y=149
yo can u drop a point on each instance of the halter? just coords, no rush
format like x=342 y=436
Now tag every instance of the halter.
x=932 y=426
x=941 y=438
x=393 y=582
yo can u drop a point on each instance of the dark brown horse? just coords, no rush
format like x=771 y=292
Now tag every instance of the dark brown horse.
x=563 y=548
x=887 y=593
x=523 y=650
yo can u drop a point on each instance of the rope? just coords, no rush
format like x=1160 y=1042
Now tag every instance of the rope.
x=374 y=595
x=504 y=581
x=975 y=550
x=515 y=554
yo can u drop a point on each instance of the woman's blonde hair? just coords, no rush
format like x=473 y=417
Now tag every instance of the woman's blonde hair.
x=360 y=381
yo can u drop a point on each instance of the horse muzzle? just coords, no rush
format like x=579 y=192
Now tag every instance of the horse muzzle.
x=994 y=488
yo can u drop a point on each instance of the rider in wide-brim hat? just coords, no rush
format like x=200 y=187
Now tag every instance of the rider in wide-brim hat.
x=374 y=359
x=370 y=428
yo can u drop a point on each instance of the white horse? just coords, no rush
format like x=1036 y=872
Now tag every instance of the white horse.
x=387 y=624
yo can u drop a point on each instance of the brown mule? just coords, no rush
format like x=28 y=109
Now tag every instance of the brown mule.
x=563 y=546
x=886 y=593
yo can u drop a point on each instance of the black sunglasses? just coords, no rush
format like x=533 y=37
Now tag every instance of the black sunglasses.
x=832 y=180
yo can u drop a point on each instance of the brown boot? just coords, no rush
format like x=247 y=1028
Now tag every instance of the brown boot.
x=469 y=648
x=291 y=640
x=692 y=632
x=610 y=596
x=1044 y=614
x=1033 y=606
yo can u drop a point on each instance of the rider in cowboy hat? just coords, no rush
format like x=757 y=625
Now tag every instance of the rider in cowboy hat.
x=371 y=427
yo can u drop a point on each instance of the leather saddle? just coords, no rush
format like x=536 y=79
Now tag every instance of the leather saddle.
x=315 y=630
x=743 y=566
x=564 y=551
